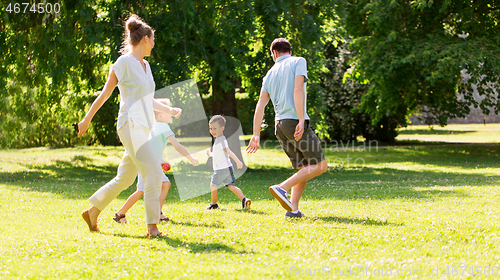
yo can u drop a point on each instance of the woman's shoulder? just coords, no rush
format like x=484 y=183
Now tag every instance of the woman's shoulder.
x=124 y=58
x=121 y=66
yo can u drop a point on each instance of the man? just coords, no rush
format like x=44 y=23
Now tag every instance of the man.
x=285 y=85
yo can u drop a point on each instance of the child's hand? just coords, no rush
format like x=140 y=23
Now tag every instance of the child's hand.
x=239 y=164
x=209 y=154
x=194 y=161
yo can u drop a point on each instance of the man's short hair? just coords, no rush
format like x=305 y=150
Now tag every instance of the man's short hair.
x=218 y=119
x=281 y=45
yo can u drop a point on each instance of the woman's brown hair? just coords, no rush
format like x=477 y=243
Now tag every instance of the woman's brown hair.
x=135 y=30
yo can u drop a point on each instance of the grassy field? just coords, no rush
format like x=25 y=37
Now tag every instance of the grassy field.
x=415 y=211
x=466 y=133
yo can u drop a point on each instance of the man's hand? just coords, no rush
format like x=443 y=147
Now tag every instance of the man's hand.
x=299 y=131
x=194 y=161
x=253 y=145
x=239 y=164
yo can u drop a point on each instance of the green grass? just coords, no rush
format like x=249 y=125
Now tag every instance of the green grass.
x=470 y=133
x=409 y=208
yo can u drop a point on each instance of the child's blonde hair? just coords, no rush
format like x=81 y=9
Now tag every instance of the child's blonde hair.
x=218 y=119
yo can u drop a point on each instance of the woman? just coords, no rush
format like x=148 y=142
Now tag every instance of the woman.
x=133 y=76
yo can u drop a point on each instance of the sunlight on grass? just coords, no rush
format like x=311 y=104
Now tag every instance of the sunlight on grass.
x=400 y=208
x=470 y=133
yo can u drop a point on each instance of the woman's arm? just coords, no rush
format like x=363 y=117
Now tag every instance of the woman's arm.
x=105 y=94
x=158 y=106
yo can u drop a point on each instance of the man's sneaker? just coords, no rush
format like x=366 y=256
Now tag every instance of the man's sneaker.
x=213 y=206
x=280 y=195
x=245 y=203
x=299 y=214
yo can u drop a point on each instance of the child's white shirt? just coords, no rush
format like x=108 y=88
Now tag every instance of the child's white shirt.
x=219 y=156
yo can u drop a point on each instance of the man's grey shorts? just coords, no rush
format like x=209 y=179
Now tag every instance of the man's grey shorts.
x=306 y=151
x=223 y=176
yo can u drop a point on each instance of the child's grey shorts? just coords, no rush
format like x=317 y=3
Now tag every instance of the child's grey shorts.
x=223 y=176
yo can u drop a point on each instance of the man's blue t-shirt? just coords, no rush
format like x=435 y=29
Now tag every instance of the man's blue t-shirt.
x=279 y=82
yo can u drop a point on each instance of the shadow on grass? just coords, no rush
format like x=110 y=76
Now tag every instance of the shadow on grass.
x=379 y=184
x=383 y=183
x=191 y=247
x=189 y=224
x=346 y=220
x=251 y=211
x=443 y=156
x=61 y=171
x=78 y=178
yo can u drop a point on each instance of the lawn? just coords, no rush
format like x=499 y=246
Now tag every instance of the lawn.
x=418 y=211
x=458 y=133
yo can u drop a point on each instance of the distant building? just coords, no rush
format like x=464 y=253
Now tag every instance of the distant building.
x=476 y=114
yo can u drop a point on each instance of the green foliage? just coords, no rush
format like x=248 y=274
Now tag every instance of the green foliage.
x=412 y=57
x=302 y=23
x=51 y=63
x=62 y=59
x=343 y=94
x=104 y=124
x=227 y=44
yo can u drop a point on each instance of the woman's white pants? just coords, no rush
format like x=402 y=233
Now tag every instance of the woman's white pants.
x=138 y=157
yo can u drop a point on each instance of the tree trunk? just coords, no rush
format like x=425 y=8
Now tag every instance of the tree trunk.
x=223 y=102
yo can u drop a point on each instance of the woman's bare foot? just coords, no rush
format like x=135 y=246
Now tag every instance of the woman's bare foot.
x=90 y=216
x=153 y=231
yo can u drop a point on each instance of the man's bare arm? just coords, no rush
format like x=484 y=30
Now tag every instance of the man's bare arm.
x=299 y=99
x=254 y=143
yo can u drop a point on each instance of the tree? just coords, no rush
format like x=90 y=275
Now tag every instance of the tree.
x=343 y=94
x=52 y=64
x=55 y=64
x=412 y=56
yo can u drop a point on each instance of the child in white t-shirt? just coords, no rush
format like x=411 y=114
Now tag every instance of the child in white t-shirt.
x=223 y=169
x=158 y=139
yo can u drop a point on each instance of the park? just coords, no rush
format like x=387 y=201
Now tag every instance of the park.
x=403 y=97
x=417 y=207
